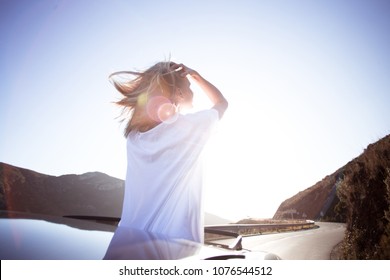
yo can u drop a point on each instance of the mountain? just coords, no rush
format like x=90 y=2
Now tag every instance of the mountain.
x=315 y=203
x=89 y=194
x=211 y=219
x=357 y=194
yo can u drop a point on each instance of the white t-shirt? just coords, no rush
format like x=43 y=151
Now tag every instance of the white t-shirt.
x=163 y=188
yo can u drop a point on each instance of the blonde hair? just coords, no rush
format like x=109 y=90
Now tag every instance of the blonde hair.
x=160 y=79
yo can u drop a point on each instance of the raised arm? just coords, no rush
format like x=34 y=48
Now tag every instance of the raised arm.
x=219 y=101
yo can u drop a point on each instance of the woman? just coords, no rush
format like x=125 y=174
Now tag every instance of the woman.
x=163 y=181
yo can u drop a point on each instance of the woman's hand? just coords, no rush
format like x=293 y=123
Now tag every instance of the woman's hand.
x=183 y=70
x=219 y=102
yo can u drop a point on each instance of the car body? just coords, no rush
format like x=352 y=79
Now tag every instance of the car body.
x=29 y=236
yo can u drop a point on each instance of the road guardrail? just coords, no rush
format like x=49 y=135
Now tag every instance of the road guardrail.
x=253 y=229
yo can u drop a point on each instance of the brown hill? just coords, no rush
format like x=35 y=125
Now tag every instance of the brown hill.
x=358 y=194
x=365 y=194
x=92 y=193
x=315 y=203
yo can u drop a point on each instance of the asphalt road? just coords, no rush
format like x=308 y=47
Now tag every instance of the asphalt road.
x=313 y=244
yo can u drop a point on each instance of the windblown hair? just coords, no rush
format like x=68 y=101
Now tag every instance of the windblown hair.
x=159 y=79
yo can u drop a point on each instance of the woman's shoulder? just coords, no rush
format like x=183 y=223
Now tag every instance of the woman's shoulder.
x=207 y=114
x=201 y=121
x=184 y=123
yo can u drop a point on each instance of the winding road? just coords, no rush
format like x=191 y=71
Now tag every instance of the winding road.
x=314 y=244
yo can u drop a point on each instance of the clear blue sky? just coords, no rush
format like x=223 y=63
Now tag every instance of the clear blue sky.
x=307 y=83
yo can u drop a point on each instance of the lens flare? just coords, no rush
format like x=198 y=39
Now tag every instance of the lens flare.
x=161 y=109
x=167 y=113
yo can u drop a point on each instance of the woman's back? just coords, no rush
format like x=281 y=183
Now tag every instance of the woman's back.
x=163 y=182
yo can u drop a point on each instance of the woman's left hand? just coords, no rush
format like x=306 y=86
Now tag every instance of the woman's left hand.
x=183 y=70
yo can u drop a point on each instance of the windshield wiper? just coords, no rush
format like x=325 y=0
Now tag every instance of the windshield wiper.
x=235 y=245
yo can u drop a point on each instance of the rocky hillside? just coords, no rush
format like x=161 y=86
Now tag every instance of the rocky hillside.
x=365 y=194
x=315 y=203
x=358 y=194
x=87 y=194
